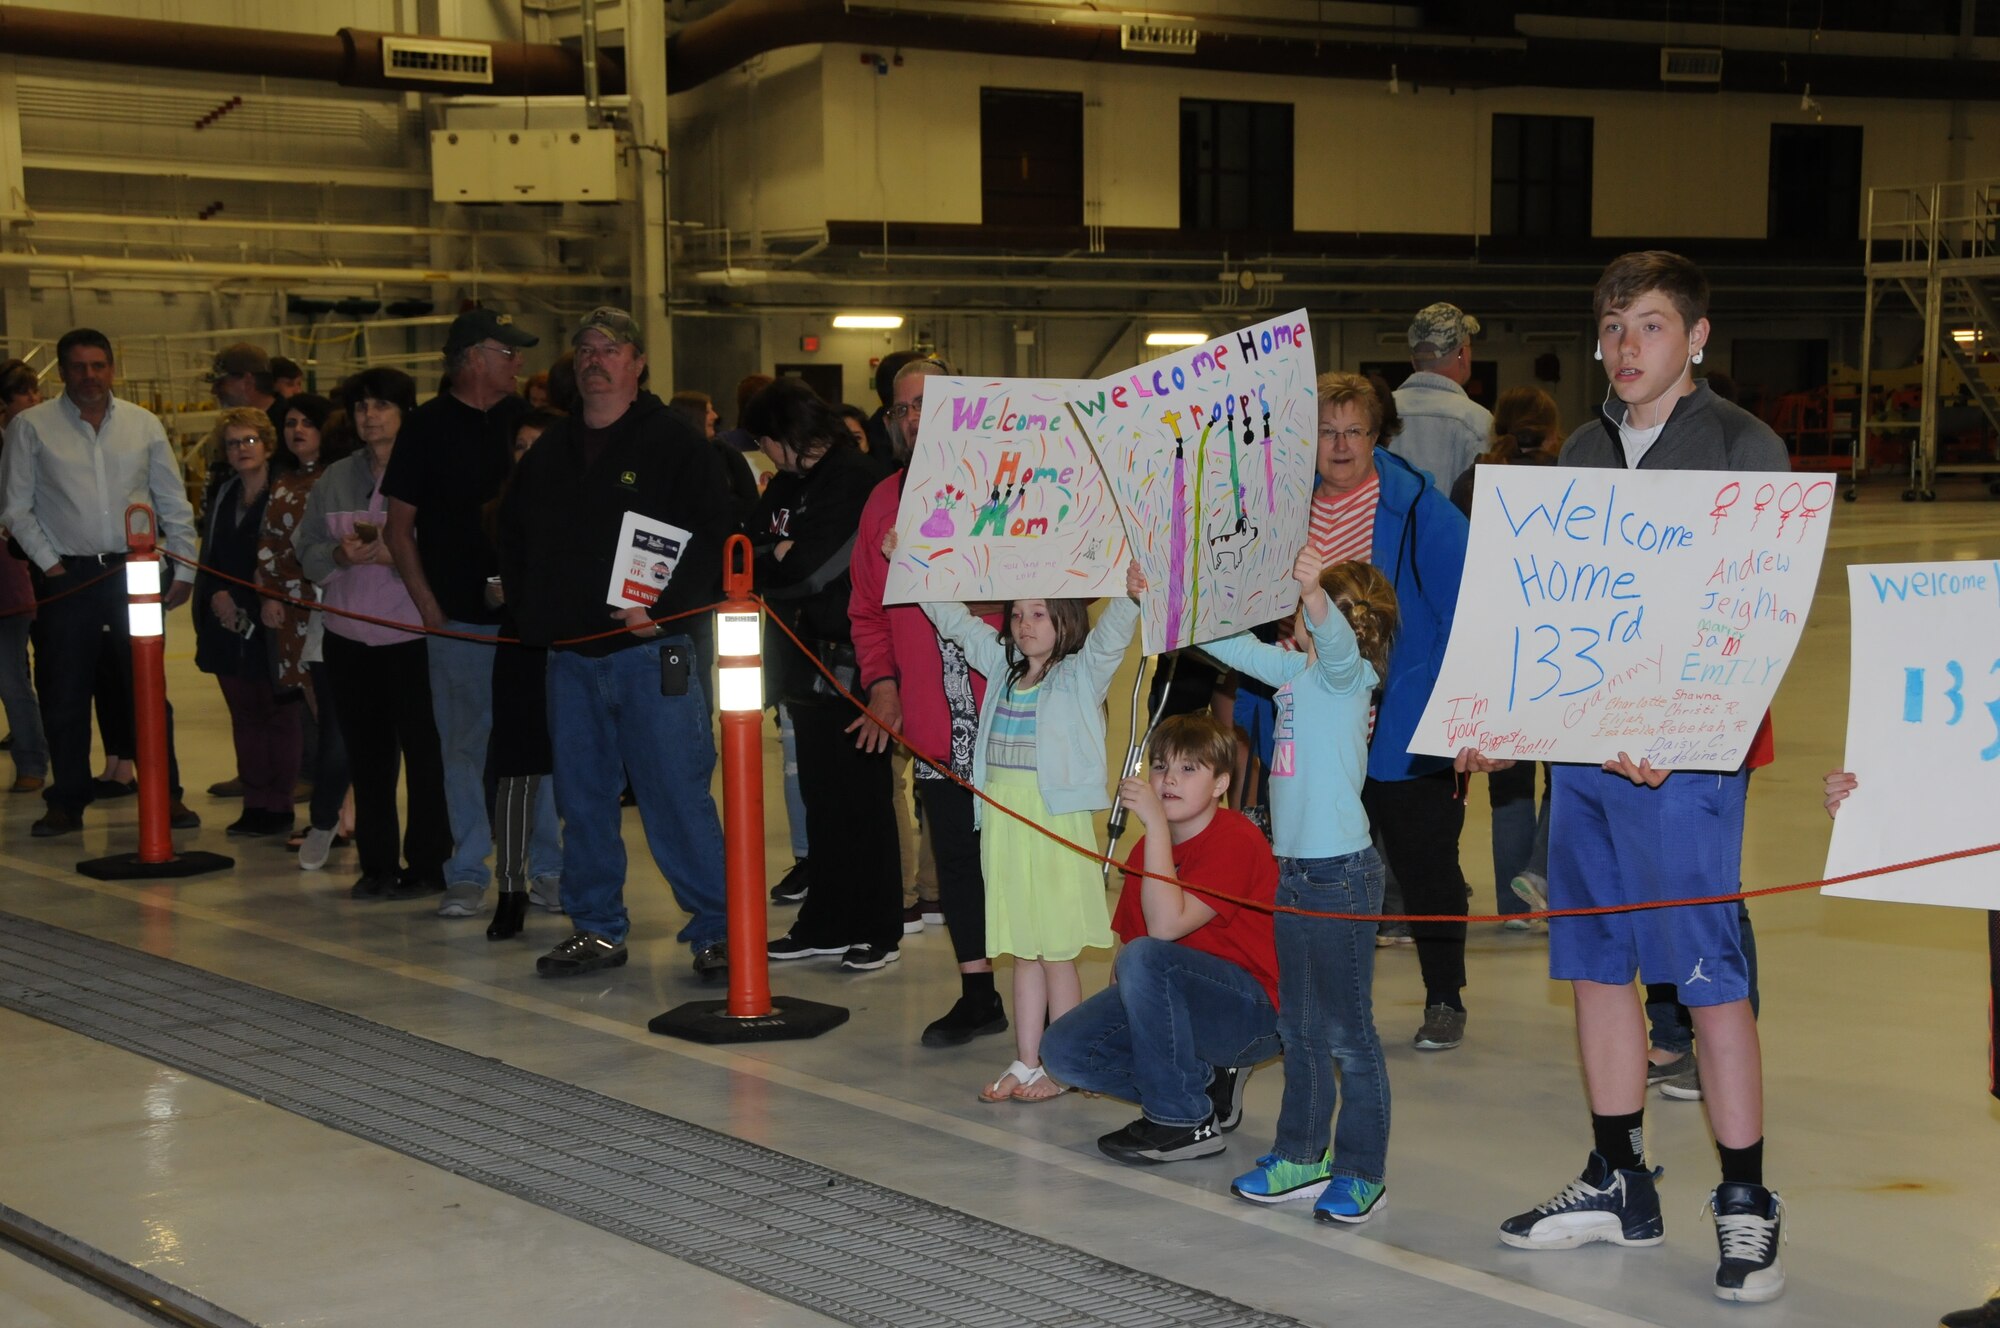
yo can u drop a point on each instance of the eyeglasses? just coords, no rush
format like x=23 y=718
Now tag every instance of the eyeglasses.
x=252 y=441
x=902 y=410
x=504 y=352
x=1354 y=433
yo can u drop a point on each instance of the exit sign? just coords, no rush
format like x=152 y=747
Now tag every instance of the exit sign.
x=809 y=344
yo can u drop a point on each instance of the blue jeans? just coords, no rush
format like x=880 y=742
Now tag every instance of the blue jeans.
x=1326 y=972
x=462 y=700
x=795 y=802
x=17 y=694
x=607 y=720
x=1156 y=1035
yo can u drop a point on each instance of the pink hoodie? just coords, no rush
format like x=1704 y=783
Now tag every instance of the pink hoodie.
x=897 y=641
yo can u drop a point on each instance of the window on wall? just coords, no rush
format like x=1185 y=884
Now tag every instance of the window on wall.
x=1236 y=165
x=1815 y=183
x=1031 y=157
x=1541 y=176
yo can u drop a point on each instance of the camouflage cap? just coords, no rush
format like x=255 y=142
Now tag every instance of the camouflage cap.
x=1445 y=326
x=614 y=323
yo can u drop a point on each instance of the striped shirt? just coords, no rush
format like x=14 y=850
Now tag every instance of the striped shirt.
x=1010 y=743
x=1343 y=524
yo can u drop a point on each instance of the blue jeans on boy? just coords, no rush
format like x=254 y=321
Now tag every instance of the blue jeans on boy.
x=608 y=720
x=1156 y=1035
x=1326 y=1014
x=17 y=694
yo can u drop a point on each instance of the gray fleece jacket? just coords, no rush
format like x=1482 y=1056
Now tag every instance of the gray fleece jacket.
x=1703 y=433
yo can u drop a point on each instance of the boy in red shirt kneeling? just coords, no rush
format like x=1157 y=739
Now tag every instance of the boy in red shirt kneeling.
x=1194 y=997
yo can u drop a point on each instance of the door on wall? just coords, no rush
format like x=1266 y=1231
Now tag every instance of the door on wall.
x=1031 y=157
x=821 y=378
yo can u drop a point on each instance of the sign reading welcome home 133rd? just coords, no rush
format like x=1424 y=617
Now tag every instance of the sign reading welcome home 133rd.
x=1646 y=612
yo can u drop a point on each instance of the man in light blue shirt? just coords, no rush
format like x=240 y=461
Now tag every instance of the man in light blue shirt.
x=1444 y=430
x=70 y=469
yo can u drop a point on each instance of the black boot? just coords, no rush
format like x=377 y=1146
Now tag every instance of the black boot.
x=513 y=906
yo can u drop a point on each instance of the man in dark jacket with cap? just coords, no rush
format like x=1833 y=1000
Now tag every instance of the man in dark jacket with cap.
x=632 y=703
x=451 y=458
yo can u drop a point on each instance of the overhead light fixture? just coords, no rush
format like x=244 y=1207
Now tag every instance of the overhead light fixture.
x=1965 y=336
x=869 y=322
x=1175 y=338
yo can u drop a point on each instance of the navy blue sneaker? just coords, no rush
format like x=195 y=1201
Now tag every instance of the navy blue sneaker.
x=1748 y=1226
x=1621 y=1207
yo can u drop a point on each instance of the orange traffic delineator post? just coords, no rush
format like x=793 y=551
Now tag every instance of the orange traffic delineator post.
x=146 y=618
x=751 y=1014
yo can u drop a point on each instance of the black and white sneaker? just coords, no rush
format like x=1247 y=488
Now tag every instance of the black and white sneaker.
x=1225 y=1091
x=1749 y=1226
x=868 y=958
x=789 y=946
x=583 y=952
x=1147 y=1142
x=792 y=888
x=1621 y=1207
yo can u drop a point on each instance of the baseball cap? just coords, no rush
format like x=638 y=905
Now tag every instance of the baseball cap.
x=614 y=323
x=241 y=358
x=476 y=325
x=1445 y=326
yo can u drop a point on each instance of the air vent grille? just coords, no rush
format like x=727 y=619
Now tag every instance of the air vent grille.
x=1690 y=64
x=1158 y=38
x=437 y=61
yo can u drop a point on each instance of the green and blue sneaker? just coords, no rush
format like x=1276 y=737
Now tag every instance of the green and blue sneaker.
x=1350 y=1199
x=1276 y=1180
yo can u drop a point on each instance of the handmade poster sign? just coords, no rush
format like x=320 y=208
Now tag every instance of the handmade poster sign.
x=1923 y=732
x=1004 y=499
x=1607 y=611
x=1210 y=456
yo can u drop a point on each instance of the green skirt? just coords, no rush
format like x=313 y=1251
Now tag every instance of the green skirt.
x=1043 y=901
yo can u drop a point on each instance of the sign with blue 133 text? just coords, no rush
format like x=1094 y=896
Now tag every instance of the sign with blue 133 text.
x=1923 y=732
x=1646 y=612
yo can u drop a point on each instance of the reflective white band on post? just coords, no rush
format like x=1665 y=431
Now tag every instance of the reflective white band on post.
x=146 y=618
x=737 y=634
x=143 y=577
x=740 y=687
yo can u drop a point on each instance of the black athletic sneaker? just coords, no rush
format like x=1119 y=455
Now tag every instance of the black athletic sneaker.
x=789 y=946
x=1225 y=1090
x=968 y=1018
x=583 y=952
x=1979 y=1316
x=792 y=887
x=1749 y=1226
x=712 y=960
x=868 y=958
x=1148 y=1142
x=1621 y=1207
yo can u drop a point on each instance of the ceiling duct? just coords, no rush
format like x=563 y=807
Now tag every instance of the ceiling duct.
x=1691 y=64
x=432 y=58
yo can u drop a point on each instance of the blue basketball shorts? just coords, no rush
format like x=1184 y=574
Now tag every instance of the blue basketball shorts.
x=1615 y=842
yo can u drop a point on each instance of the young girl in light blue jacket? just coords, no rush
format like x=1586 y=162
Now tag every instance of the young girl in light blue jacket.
x=1041 y=753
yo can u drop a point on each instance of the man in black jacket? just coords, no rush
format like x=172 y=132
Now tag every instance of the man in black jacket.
x=631 y=703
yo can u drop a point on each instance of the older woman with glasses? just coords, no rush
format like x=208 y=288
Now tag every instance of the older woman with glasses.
x=230 y=639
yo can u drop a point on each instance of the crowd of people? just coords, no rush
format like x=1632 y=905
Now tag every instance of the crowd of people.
x=476 y=697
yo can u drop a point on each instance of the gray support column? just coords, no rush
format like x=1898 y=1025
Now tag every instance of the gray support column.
x=652 y=272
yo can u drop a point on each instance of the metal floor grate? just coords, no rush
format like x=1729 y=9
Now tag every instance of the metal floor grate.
x=848 y=1249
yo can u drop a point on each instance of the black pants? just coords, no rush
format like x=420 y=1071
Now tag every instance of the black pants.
x=955 y=845
x=72 y=637
x=382 y=699
x=857 y=865
x=1419 y=821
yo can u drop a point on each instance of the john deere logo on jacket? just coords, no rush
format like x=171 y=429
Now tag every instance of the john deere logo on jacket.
x=628 y=479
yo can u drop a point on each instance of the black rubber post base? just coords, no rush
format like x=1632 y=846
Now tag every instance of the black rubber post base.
x=129 y=867
x=711 y=1022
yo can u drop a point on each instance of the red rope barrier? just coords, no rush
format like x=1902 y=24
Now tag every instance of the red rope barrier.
x=418 y=629
x=67 y=591
x=1209 y=893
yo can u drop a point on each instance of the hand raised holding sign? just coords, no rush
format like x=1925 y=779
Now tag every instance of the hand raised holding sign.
x=1641 y=773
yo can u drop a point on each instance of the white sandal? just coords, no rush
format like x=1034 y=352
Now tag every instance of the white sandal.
x=1023 y=1077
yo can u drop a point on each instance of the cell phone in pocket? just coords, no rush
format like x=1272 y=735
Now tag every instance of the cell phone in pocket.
x=676 y=667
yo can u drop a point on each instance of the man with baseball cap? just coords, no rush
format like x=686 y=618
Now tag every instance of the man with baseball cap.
x=634 y=703
x=1444 y=430
x=452 y=456
x=240 y=375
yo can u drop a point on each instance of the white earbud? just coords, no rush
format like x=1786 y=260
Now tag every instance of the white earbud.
x=1696 y=357
x=1598 y=353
